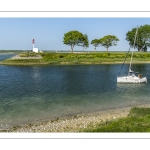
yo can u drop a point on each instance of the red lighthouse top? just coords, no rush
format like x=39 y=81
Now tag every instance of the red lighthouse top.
x=33 y=41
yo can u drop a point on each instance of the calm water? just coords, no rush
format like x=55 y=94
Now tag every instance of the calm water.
x=30 y=93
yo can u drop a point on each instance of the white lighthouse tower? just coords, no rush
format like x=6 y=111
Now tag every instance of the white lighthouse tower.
x=34 y=49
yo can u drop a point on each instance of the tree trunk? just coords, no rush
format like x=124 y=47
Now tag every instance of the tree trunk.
x=107 y=49
x=72 y=46
x=95 y=49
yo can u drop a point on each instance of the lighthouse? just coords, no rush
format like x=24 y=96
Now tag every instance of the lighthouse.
x=34 y=49
x=33 y=41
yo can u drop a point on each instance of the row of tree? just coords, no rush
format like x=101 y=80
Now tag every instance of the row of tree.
x=73 y=38
x=106 y=41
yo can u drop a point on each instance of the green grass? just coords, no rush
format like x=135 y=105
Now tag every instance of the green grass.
x=138 y=120
x=98 y=57
x=22 y=62
x=49 y=58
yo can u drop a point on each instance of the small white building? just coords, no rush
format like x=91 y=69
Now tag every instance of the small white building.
x=35 y=50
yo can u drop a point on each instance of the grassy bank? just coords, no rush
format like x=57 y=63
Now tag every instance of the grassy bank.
x=138 y=120
x=78 y=58
x=97 y=58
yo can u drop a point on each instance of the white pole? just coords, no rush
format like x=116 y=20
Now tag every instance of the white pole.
x=134 y=48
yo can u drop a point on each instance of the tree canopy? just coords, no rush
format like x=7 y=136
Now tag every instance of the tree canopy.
x=108 y=40
x=73 y=38
x=142 y=40
x=95 y=43
x=85 y=42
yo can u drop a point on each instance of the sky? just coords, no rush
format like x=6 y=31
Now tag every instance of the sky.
x=17 y=33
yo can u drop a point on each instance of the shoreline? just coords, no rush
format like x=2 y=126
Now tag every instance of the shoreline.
x=68 y=63
x=17 y=60
x=74 y=123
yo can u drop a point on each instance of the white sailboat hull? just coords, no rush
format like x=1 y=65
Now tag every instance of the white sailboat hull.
x=130 y=79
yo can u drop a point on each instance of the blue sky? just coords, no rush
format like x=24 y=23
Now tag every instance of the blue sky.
x=17 y=33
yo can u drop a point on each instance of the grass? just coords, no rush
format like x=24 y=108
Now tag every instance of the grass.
x=138 y=120
x=92 y=58
x=22 y=62
x=118 y=56
x=49 y=58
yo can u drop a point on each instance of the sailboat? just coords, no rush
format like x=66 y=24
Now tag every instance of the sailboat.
x=132 y=77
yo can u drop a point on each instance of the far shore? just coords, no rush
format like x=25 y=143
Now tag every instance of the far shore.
x=69 y=63
x=74 y=123
x=43 y=59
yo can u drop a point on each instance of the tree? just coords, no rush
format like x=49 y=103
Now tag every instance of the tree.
x=107 y=41
x=142 y=40
x=95 y=43
x=85 y=42
x=73 y=38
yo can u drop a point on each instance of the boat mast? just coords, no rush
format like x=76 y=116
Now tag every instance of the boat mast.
x=134 y=48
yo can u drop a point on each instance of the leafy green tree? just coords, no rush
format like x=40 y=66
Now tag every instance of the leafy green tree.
x=85 y=42
x=73 y=38
x=142 y=40
x=95 y=43
x=108 y=41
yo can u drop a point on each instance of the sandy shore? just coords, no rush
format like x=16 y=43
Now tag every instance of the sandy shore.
x=73 y=123
x=18 y=57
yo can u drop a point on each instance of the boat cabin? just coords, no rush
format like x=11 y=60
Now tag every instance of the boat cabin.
x=135 y=74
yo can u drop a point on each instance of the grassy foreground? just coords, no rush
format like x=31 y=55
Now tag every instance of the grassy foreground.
x=138 y=120
x=49 y=58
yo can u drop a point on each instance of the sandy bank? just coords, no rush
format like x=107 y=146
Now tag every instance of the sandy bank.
x=18 y=57
x=74 y=123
